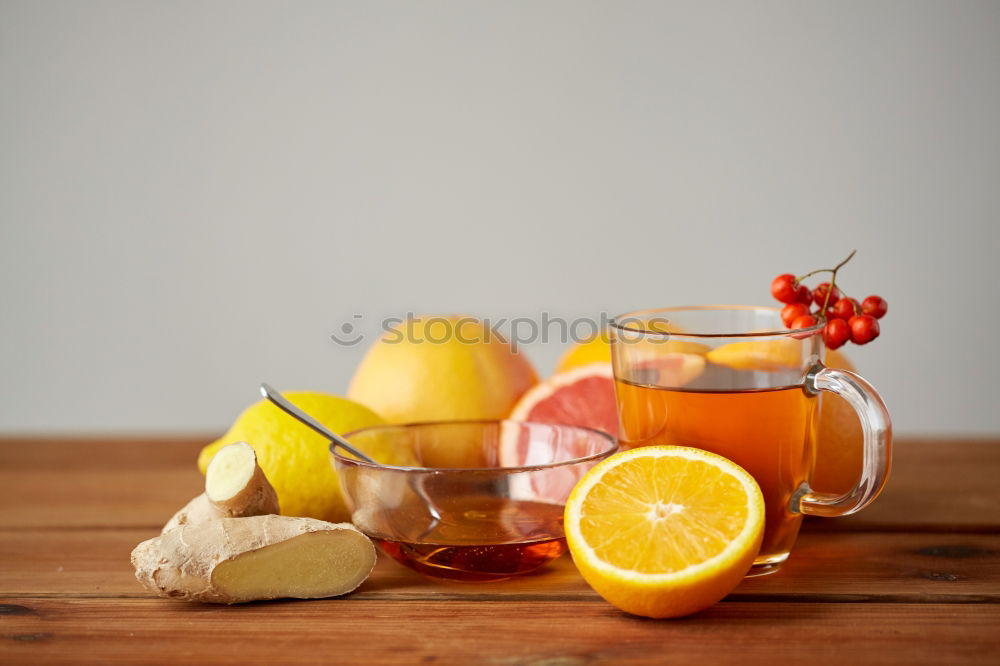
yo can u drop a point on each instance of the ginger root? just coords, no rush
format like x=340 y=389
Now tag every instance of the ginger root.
x=226 y=545
x=235 y=486
x=233 y=560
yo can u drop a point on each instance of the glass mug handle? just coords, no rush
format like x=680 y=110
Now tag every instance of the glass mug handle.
x=877 y=447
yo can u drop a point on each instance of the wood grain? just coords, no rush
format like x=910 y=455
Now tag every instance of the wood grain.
x=936 y=486
x=96 y=482
x=140 y=483
x=914 y=579
x=136 y=631
x=839 y=566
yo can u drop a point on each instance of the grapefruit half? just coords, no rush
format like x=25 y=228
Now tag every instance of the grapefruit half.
x=584 y=396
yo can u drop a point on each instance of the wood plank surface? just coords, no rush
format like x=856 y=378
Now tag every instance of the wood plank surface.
x=835 y=566
x=940 y=485
x=140 y=483
x=139 y=631
x=913 y=579
x=96 y=482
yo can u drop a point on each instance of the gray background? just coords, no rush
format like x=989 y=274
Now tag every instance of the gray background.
x=194 y=196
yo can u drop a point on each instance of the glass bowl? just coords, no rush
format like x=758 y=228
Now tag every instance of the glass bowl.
x=467 y=500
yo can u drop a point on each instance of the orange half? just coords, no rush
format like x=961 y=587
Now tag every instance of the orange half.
x=664 y=531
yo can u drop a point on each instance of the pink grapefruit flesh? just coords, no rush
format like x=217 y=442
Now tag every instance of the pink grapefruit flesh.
x=584 y=396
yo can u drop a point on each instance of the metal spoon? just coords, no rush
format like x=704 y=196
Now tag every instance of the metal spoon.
x=292 y=410
x=417 y=482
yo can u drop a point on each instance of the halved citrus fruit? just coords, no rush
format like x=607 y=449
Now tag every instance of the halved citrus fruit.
x=672 y=369
x=664 y=531
x=584 y=396
x=581 y=397
x=598 y=349
x=762 y=355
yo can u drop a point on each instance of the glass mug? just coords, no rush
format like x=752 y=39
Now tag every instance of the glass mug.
x=733 y=380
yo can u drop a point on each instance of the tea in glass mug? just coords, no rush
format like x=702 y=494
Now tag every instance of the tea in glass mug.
x=734 y=381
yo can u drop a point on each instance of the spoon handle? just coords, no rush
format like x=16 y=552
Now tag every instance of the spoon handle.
x=293 y=411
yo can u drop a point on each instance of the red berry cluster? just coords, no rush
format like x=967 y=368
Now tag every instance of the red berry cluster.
x=845 y=318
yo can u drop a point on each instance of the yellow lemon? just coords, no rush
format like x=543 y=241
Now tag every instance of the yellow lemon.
x=664 y=531
x=295 y=459
x=596 y=350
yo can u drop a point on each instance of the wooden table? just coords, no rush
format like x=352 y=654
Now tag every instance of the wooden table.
x=913 y=579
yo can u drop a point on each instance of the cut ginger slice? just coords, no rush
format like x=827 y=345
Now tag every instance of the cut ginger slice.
x=310 y=566
x=234 y=560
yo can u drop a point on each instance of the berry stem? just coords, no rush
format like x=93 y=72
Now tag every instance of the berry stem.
x=841 y=264
x=833 y=282
x=825 y=270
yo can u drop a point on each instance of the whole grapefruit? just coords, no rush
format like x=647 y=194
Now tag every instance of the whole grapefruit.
x=441 y=368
